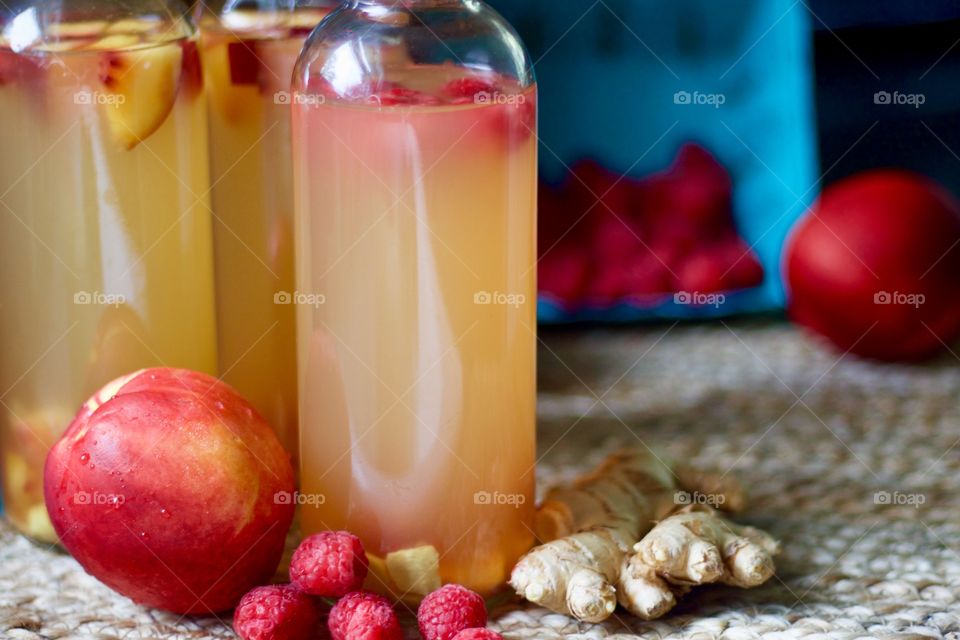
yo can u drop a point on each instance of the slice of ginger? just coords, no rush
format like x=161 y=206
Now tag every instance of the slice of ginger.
x=415 y=571
x=378 y=577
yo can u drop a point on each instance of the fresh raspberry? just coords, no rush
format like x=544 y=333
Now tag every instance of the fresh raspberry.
x=646 y=275
x=478 y=634
x=699 y=190
x=606 y=286
x=278 y=612
x=448 y=611
x=363 y=616
x=392 y=94
x=521 y=120
x=588 y=182
x=743 y=268
x=615 y=238
x=563 y=273
x=465 y=90
x=329 y=564
x=702 y=273
x=319 y=86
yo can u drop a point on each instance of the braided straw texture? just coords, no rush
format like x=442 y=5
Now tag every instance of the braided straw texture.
x=852 y=465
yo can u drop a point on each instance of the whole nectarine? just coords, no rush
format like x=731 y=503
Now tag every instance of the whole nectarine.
x=165 y=487
x=873 y=266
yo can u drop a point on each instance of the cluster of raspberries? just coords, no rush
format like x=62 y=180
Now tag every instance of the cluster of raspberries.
x=333 y=565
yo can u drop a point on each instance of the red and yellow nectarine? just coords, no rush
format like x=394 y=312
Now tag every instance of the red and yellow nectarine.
x=165 y=488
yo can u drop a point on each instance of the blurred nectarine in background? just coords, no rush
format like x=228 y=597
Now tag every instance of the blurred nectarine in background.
x=874 y=266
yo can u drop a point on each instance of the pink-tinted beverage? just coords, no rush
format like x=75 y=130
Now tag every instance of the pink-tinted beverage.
x=416 y=213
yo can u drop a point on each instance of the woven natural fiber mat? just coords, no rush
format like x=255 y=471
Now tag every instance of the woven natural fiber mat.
x=816 y=437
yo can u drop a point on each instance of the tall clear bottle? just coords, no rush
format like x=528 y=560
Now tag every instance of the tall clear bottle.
x=415 y=183
x=104 y=216
x=248 y=49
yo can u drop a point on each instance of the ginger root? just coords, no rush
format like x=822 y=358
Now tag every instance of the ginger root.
x=696 y=546
x=621 y=534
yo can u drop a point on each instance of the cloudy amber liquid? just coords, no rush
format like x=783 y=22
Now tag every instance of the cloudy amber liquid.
x=418 y=390
x=108 y=264
x=248 y=81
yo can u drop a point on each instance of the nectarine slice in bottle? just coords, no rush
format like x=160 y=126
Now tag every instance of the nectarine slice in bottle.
x=145 y=82
x=230 y=83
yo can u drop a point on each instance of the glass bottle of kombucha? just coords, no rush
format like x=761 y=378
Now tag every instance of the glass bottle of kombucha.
x=415 y=187
x=105 y=225
x=248 y=48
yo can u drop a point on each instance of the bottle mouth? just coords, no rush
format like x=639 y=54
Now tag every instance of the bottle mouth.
x=271 y=6
x=266 y=22
x=400 y=5
x=28 y=33
x=401 y=13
